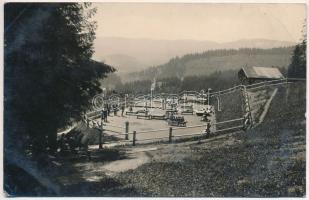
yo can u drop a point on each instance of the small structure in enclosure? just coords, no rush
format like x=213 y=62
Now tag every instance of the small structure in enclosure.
x=176 y=120
x=186 y=109
x=248 y=75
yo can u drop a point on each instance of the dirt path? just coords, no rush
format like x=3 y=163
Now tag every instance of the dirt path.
x=140 y=155
x=136 y=157
x=96 y=170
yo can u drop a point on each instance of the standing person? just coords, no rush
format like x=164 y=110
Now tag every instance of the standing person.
x=122 y=109
x=105 y=115
x=115 y=110
x=102 y=115
x=146 y=111
x=205 y=116
x=108 y=109
x=208 y=130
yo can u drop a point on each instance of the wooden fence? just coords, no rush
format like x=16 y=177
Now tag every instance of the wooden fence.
x=124 y=130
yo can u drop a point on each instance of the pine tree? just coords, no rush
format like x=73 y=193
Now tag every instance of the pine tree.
x=297 y=68
x=49 y=76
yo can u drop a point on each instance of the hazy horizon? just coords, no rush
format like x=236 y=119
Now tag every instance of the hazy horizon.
x=133 y=36
x=201 y=21
x=149 y=38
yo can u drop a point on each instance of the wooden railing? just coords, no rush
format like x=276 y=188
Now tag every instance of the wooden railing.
x=169 y=131
x=124 y=131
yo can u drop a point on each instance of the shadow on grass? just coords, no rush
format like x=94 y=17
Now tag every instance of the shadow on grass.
x=93 y=155
x=106 y=187
x=84 y=182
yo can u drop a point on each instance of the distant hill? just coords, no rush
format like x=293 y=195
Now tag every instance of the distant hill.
x=256 y=43
x=123 y=63
x=214 y=60
x=130 y=55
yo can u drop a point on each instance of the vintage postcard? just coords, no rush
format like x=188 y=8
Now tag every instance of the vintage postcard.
x=154 y=99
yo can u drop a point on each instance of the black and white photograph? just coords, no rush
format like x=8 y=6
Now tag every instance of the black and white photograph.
x=154 y=99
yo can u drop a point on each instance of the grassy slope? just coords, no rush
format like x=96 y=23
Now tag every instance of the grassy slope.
x=268 y=161
x=231 y=108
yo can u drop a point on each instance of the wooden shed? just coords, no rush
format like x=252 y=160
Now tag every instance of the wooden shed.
x=249 y=75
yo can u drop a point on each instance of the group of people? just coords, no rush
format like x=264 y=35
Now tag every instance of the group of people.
x=206 y=114
x=107 y=110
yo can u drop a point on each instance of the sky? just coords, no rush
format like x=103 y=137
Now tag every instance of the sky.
x=201 y=21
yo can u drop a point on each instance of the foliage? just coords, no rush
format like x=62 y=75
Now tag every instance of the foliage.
x=49 y=76
x=211 y=61
x=111 y=81
x=297 y=68
x=217 y=81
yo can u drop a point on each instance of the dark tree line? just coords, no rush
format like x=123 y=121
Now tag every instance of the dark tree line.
x=192 y=64
x=49 y=76
x=297 y=68
x=217 y=81
x=244 y=51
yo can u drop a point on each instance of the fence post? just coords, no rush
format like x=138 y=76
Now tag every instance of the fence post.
x=127 y=130
x=134 y=137
x=100 y=136
x=208 y=130
x=218 y=98
x=170 y=135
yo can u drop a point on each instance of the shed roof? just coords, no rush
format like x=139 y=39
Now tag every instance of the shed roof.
x=262 y=72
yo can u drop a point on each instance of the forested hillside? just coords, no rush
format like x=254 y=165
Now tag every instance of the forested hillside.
x=215 y=60
x=136 y=54
x=216 y=80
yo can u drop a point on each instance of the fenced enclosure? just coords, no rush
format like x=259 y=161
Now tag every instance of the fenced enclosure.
x=233 y=109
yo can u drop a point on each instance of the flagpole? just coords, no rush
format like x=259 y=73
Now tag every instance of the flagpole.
x=151 y=98
x=152 y=87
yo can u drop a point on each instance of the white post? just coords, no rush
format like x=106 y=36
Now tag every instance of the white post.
x=125 y=100
x=218 y=99
x=203 y=96
x=145 y=102
x=162 y=104
x=150 y=98
x=208 y=96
